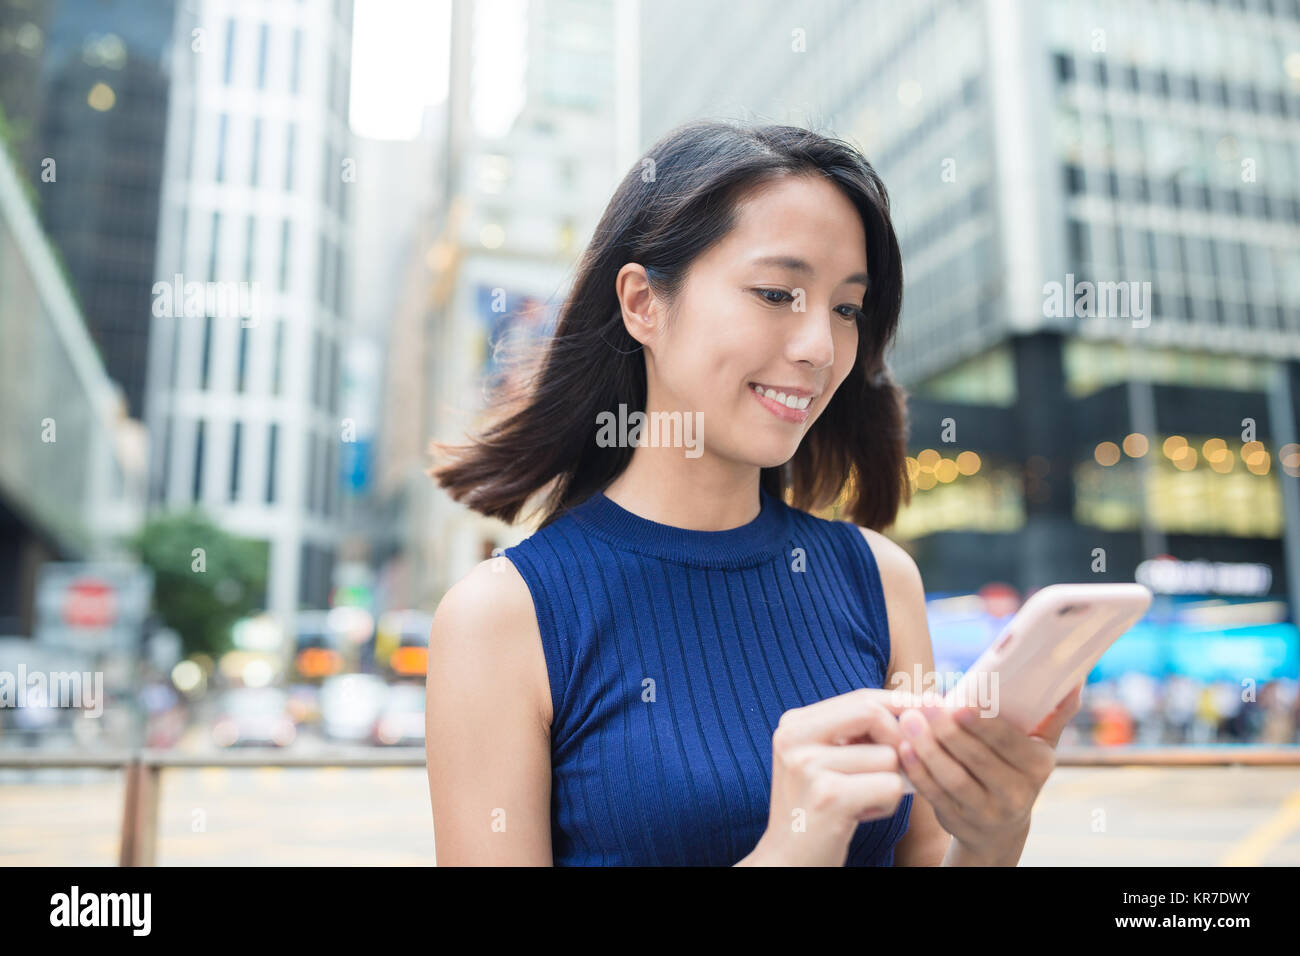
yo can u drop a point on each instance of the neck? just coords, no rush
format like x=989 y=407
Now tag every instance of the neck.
x=701 y=494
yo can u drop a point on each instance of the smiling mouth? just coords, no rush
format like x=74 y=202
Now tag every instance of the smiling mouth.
x=788 y=406
x=794 y=399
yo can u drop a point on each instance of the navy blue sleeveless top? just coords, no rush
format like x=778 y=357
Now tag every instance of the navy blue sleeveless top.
x=671 y=655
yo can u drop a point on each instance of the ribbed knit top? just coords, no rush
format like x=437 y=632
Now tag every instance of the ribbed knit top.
x=671 y=655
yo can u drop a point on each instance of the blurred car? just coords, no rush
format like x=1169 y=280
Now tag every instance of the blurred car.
x=401 y=722
x=402 y=643
x=254 y=715
x=317 y=647
x=350 y=705
x=304 y=703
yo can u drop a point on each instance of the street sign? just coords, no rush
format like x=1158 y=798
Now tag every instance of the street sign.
x=91 y=606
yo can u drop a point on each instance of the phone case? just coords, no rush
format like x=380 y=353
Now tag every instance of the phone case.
x=1048 y=648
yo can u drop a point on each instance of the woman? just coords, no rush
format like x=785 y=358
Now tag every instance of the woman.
x=678 y=667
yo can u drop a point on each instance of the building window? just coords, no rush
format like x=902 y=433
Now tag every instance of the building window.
x=163 y=492
x=205 y=357
x=183 y=242
x=1078 y=243
x=272 y=441
x=339 y=274
x=236 y=442
x=332 y=481
x=215 y=243
x=296 y=61
x=261 y=56
x=230 y=51
x=288 y=160
x=1074 y=179
x=322 y=268
x=315 y=366
x=250 y=241
x=311 y=472
x=333 y=396
x=243 y=358
x=278 y=358
x=1064 y=67
x=284 y=255
x=222 y=122
x=198 y=462
x=255 y=170
x=327 y=178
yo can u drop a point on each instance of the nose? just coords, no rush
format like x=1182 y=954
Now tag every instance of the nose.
x=812 y=341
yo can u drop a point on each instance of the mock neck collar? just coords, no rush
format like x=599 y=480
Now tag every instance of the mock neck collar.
x=750 y=544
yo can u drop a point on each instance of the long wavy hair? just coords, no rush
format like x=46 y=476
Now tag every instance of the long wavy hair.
x=674 y=204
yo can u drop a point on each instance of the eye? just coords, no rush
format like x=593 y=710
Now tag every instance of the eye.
x=764 y=293
x=854 y=314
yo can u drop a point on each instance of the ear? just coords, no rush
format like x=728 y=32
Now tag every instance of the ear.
x=642 y=311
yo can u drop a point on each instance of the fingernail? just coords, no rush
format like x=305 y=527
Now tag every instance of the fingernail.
x=909 y=724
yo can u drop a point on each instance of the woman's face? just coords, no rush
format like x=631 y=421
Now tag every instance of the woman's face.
x=772 y=306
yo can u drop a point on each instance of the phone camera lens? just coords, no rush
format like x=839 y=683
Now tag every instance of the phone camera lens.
x=1065 y=610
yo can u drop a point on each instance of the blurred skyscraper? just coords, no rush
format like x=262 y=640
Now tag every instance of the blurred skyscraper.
x=84 y=85
x=399 y=202
x=243 y=396
x=1098 y=207
x=72 y=473
x=520 y=206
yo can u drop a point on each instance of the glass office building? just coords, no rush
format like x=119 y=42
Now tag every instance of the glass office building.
x=1099 y=209
x=84 y=85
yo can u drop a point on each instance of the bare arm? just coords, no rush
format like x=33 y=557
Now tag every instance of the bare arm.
x=487 y=724
x=925 y=843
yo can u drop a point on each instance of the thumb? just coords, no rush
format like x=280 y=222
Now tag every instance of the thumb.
x=1054 y=723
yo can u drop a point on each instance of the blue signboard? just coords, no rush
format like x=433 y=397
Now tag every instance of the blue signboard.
x=1173 y=638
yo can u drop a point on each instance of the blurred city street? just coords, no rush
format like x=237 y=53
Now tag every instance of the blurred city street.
x=1238 y=816
x=258 y=260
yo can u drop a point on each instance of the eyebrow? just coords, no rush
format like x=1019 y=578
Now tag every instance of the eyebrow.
x=795 y=264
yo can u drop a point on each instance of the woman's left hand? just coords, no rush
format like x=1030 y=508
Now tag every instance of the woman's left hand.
x=980 y=774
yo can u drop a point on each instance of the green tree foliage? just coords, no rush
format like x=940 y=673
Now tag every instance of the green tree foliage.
x=204 y=578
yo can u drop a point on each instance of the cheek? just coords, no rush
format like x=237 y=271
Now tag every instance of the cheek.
x=708 y=360
x=846 y=352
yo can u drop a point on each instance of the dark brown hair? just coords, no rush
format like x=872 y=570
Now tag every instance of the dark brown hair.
x=675 y=203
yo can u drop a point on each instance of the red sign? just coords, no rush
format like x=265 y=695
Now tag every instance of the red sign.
x=89 y=604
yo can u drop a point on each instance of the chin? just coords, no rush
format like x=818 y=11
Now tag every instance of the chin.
x=771 y=456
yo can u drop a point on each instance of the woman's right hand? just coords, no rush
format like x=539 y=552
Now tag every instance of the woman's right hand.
x=834 y=765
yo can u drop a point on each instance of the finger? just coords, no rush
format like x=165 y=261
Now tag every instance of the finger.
x=924 y=783
x=841 y=719
x=896 y=699
x=1013 y=746
x=1054 y=723
x=871 y=796
x=946 y=771
x=855 y=758
x=984 y=763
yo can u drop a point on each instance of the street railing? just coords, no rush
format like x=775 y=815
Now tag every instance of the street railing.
x=144 y=768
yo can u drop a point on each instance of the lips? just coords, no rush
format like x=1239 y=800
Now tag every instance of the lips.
x=779 y=404
x=787 y=395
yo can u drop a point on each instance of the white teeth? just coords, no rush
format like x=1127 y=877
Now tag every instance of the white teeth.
x=789 y=401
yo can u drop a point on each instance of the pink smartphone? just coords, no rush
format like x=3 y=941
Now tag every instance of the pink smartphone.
x=1048 y=648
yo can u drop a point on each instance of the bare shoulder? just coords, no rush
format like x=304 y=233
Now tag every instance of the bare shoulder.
x=896 y=565
x=900 y=579
x=485 y=636
x=487 y=723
